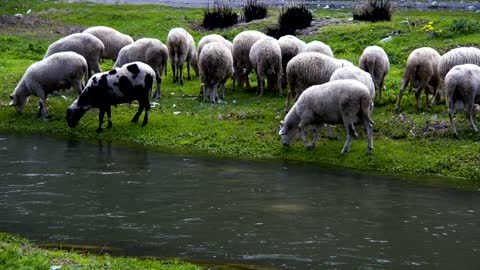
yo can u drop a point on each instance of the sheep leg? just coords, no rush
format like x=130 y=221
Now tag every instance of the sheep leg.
x=100 y=119
x=138 y=113
x=78 y=86
x=109 y=117
x=147 y=112
x=451 y=111
x=279 y=86
x=470 y=115
x=301 y=126
x=188 y=72
x=400 y=94
x=42 y=111
x=351 y=134
x=368 y=124
x=418 y=93
x=180 y=73
x=174 y=73
x=434 y=92
x=315 y=136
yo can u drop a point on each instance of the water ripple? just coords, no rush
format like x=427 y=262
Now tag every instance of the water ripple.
x=275 y=257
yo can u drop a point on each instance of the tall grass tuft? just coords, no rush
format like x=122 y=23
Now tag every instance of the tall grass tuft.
x=220 y=16
x=291 y=18
x=252 y=10
x=373 y=11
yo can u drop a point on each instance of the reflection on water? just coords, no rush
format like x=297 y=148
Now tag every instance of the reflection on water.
x=287 y=216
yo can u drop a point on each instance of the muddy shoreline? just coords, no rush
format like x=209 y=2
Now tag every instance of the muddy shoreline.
x=404 y=5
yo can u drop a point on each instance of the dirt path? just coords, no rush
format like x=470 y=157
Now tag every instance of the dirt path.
x=420 y=5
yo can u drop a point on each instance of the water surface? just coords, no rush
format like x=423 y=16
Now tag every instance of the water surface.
x=275 y=214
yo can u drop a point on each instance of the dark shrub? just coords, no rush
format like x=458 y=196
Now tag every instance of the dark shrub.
x=373 y=11
x=221 y=16
x=291 y=18
x=254 y=10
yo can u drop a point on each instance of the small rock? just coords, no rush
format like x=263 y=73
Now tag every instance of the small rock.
x=28 y=11
x=55 y=267
x=176 y=113
x=234 y=101
x=387 y=39
x=174 y=105
x=18 y=16
x=326 y=7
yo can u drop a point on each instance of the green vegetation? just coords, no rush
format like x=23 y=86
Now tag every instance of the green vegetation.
x=18 y=253
x=246 y=125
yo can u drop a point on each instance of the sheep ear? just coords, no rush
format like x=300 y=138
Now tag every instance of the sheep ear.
x=12 y=101
x=283 y=129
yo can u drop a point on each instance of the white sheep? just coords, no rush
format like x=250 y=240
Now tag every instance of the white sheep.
x=290 y=46
x=421 y=73
x=215 y=66
x=335 y=102
x=462 y=87
x=132 y=81
x=86 y=45
x=266 y=59
x=181 y=49
x=242 y=43
x=307 y=69
x=355 y=73
x=204 y=41
x=147 y=50
x=454 y=57
x=375 y=61
x=112 y=39
x=318 y=46
x=58 y=71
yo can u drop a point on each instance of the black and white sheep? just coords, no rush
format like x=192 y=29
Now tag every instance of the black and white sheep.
x=290 y=46
x=307 y=69
x=181 y=49
x=421 y=73
x=462 y=88
x=215 y=66
x=335 y=102
x=375 y=61
x=112 y=39
x=242 y=43
x=86 y=45
x=149 y=51
x=266 y=59
x=125 y=84
x=56 y=72
x=318 y=46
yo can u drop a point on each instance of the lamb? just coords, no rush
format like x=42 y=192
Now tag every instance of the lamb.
x=149 y=51
x=355 y=73
x=457 y=56
x=318 y=46
x=242 y=43
x=181 y=49
x=132 y=81
x=290 y=46
x=113 y=40
x=58 y=71
x=334 y=102
x=216 y=66
x=86 y=45
x=307 y=69
x=266 y=59
x=421 y=73
x=462 y=88
x=374 y=60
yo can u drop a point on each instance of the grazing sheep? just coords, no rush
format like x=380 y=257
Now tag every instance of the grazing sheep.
x=334 y=102
x=290 y=46
x=216 y=66
x=374 y=60
x=318 y=46
x=421 y=73
x=307 y=69
x=149 y=51
x=242 y=43
x=355 y=73
x=113 y=40
x=86 y=45
x=266 y=59
x=132 y=81
x=454 y=57
x=181 y=48
x=58 y=71
x=204 y=41
x=462 y=88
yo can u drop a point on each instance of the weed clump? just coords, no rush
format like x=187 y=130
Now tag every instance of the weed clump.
x=220 y=16
x=463 y=27
x=254 y=10
x=373 y=11
x=295 y=16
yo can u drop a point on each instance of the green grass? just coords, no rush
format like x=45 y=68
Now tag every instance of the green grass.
x=19 y=253
x=246 y=126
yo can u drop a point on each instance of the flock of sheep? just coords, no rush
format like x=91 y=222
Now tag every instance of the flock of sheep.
x=325 y=90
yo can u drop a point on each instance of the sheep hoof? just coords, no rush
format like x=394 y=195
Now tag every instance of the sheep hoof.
x=369 y=151
x=109 y=125
x=99 y=130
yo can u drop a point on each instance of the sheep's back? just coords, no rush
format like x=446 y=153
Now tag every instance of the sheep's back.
x=458 y=56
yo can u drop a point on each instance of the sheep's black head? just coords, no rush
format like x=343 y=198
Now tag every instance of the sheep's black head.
x=74 y=114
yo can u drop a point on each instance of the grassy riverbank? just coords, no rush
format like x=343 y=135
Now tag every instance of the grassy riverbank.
x=245 y=125
x=19 y=253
